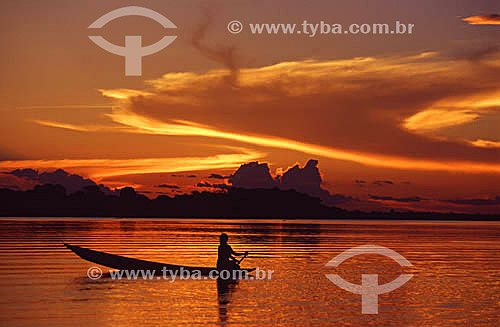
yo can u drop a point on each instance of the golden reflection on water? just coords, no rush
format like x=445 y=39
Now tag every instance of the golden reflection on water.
x=456 y=267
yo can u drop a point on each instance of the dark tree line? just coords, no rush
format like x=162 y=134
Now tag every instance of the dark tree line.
x=52 y=201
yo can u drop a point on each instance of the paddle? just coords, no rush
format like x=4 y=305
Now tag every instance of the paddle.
x=239 y=261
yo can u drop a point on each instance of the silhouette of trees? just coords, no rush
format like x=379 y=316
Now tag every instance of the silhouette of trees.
x=53 y=201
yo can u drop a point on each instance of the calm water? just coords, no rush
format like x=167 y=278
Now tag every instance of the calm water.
x=456 y=267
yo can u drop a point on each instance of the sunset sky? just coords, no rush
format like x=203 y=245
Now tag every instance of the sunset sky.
x=421 y=111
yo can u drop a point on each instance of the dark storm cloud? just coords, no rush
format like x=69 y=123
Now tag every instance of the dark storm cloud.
x=71 y=182
x=305 y=180
x=253 y=175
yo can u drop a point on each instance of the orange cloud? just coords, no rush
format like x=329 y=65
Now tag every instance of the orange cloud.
x=432 y=119
x=485 y=143
x=101 y=168
x=123 y=94
x=139 y=124
x=371 y=111
x=79 y=128
x=483 y=20
x=150 y=126
x=327 y=91
x=454 y=112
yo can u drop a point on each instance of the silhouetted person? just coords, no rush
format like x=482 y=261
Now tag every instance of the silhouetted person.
x=226 y=259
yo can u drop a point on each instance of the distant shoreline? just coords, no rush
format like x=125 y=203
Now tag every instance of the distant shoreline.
x=272 y=204
x=247 y=219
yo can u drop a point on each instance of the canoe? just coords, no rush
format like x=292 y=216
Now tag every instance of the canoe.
x=125 y=263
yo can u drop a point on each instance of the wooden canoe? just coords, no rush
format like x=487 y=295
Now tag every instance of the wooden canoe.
x=125 y=263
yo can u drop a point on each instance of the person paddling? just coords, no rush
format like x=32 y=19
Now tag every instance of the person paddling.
x=226 y=259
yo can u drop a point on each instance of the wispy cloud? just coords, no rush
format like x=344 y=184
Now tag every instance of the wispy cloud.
x=67 y=106
x=390 y=198
x=485 y=143
x=453 y=112
x=216 y=186
x=81 y=128
x=170 y=186
x=123 y=94
x=383 y=183
x=218 y=176
x=149 y=126
x=492 y=19
x=101 y=168
x=476 y=202
x=433 y=119
x=380 y=112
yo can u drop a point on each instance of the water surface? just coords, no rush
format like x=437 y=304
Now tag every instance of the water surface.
x=456 y=267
